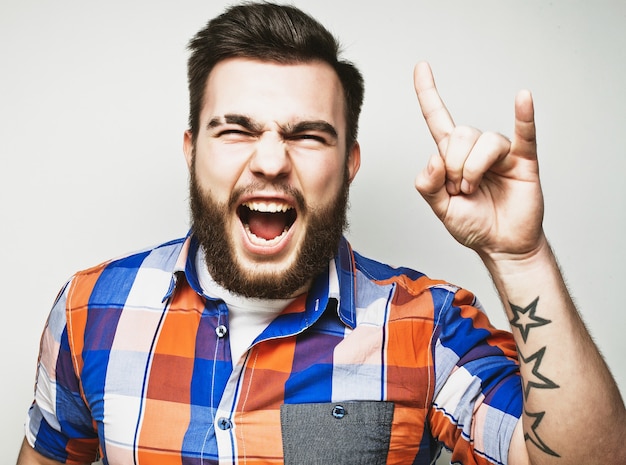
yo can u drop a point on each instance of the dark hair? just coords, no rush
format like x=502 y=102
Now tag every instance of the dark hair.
x=269 y=32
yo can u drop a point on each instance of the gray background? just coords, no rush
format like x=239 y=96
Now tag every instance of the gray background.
x=93 y=107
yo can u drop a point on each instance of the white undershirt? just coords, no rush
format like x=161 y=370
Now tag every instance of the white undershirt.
x=247 y=317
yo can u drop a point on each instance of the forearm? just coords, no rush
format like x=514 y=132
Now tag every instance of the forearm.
x=573 y=411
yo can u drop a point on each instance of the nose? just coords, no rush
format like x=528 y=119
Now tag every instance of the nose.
x=271 y=157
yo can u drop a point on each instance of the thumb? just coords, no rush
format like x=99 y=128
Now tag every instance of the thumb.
x=431 y=184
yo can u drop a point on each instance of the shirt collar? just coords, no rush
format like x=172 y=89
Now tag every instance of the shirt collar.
x=337 y=283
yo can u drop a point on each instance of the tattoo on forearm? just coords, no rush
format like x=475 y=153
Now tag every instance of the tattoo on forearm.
x=537 y=380
x=525 y=319
x=532 y=435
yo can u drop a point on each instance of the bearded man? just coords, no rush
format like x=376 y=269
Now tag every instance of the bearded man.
x=262 y=338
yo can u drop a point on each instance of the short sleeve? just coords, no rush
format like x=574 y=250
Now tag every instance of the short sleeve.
x=59 y=424
x=478 y=393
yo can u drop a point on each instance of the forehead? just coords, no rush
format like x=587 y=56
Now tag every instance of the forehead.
x=274 y=92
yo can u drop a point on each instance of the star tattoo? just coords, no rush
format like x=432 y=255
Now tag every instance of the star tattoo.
x=532 y=435
x=536 y=379
x=525 y=319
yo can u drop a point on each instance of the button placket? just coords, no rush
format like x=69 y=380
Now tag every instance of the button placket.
x=224 y=423
x=221 y=331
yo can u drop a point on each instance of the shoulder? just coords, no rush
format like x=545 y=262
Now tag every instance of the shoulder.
x=414 y=292
x=404 y=277
x=162 y=256
x=112 y=282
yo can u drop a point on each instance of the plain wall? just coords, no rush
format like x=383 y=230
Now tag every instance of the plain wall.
x=93 y=106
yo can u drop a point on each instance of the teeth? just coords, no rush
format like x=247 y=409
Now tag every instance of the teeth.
x=267 y=207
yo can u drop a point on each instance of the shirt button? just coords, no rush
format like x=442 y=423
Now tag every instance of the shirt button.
x=221 y=331
x=224 y=423
x=339 y=412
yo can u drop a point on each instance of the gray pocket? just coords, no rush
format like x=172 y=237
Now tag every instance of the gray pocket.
x=336 y=433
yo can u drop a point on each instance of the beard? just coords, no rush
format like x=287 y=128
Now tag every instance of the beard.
x=324 y=229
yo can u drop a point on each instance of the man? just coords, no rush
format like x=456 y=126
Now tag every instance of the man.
x=261 y=337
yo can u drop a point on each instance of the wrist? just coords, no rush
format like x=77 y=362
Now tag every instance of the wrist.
x=536 y=259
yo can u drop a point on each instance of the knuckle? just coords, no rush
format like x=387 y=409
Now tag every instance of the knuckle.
x=495 y=138
x=466 y=133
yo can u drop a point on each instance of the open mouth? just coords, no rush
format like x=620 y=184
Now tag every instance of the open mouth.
x=266 y=222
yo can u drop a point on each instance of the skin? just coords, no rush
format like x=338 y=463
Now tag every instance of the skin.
x=285 y=127
x=29 y=456
x=485 y=189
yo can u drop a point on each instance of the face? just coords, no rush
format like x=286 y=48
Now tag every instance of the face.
x=269 y=174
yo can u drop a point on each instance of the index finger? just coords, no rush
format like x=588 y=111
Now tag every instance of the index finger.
x=438 y=119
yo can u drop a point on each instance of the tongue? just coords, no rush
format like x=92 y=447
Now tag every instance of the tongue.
x=267 y=225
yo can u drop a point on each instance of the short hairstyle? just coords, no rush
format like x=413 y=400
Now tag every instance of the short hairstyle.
x=269 y=32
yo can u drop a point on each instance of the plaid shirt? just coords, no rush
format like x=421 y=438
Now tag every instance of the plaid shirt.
x=374 y=365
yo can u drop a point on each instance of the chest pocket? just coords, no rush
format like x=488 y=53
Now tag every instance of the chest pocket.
x=342 y=432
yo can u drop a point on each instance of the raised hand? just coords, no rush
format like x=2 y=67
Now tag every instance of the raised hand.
x=484 y=187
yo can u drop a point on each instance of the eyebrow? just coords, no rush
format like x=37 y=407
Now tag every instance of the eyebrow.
x=305 y=126
x=241 y=120
x=288 y=129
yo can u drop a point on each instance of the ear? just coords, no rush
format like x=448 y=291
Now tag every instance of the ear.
x=188 y=148
x=354 y=160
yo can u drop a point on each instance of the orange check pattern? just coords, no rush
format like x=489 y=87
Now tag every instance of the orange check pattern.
x=135 y=366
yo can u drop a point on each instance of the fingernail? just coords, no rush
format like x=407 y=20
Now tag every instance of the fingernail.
x=451 y=188
x=465 y=187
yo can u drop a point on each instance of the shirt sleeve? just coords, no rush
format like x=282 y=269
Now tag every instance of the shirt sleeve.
x=59 y=424
x=478 y=393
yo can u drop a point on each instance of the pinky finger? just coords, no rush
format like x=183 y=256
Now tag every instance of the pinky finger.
x=525 y=138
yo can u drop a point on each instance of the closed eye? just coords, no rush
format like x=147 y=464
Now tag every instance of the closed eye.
x=311 y=132
x=234 y=135
x=311 y=137
x=232 y=131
